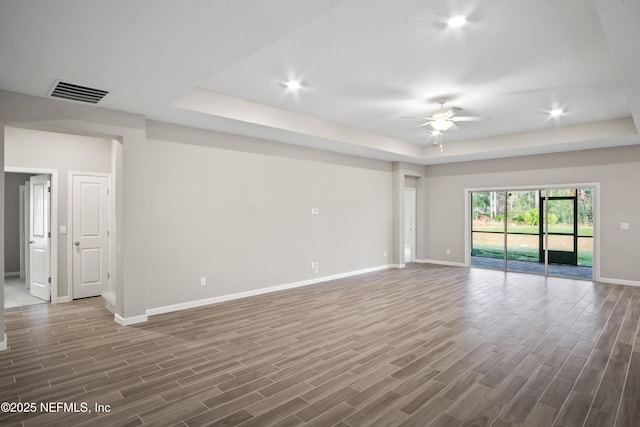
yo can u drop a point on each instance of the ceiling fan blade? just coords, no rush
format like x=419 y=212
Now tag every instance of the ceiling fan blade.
x=421 y=126
x=452 y=111
x=469 y=119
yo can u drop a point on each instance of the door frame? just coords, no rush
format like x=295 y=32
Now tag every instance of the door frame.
x=596 y=216
x=110 y=199
x=53 y=216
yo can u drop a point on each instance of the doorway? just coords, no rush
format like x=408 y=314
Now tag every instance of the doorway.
x=409 y=224
x=547 y=231
x=27 y=240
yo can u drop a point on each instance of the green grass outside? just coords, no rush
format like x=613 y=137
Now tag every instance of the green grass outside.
x=583 y=231
x=585 y=258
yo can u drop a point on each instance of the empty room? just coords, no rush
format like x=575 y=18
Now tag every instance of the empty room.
x=325 y=213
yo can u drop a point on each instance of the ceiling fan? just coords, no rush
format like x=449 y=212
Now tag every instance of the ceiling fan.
x=444 y=119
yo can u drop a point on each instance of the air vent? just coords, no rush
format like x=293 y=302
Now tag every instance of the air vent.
x=78 y=93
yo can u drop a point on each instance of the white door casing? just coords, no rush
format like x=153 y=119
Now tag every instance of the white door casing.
x=90 y=214
x=39 y=235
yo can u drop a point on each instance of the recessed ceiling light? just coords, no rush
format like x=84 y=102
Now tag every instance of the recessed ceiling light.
x=435 y=132
x=556 y=112
x=457 y=21
x=293 y=85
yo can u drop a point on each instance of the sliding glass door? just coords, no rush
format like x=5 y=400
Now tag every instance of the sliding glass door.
x=534 y=230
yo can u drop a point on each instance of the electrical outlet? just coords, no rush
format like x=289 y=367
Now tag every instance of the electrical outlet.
x=314 y=266
x=385 y=254
x=203 y=281
x=448 y=251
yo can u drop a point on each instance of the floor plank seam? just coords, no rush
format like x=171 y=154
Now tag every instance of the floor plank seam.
x=563 y=407
x=619 y=330
x=441 y=344
x=544 y=391
x=628 y=370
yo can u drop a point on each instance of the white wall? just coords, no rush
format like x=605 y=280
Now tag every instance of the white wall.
x=33 y=149
x=238 y=211
x=616 y=169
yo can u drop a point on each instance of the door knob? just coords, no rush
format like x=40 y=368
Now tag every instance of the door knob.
x=77 y=243
x=30 y=242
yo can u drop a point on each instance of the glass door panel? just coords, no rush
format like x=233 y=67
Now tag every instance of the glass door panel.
x=523 y=243
x=585 y=227
x=487 y=229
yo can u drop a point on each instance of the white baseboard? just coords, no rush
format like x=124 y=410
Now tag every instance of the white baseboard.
x=207 y=301
x=618 y=281
x=12 y=274
x=435 y=261
x=127 y=321
x=3 y=344
x=61 y=300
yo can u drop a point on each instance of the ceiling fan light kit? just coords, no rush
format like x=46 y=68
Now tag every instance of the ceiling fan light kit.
x=441 y=124
x=443 y=119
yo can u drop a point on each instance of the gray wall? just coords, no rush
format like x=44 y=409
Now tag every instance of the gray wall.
x=37 y=113
x=150 y=180
x=238 y=211
x=616 y=169
x=32 y=149
x=12 y=248
x=3 y=336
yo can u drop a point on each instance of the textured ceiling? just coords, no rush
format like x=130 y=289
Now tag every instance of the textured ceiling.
x=364 y=64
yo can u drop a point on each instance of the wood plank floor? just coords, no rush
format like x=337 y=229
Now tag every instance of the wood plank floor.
x=424 y=345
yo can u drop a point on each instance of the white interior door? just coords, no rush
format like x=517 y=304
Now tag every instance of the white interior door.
x=409 y=224
x=90 y=213
x=39 y=237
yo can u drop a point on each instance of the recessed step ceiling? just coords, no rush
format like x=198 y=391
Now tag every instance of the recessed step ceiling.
x=360 y=66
